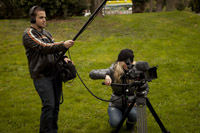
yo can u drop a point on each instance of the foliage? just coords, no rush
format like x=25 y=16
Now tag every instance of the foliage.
x=53 y=8
x=180 y=5
x=140 y=1
x=10 y=9
x=195 y=5
x=74 y=7
x=168 y=39
x=138 y=6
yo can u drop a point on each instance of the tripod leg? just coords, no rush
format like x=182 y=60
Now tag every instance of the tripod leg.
x=125 y=115
x=156 y=117
x=141 y=119
x=141 y=115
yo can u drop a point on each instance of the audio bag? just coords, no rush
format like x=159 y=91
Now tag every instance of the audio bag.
x=66 y=71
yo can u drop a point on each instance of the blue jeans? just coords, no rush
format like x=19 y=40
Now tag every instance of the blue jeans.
x=116 y=115
x=49 y=90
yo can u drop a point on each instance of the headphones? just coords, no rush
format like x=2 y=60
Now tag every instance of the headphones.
x=31 y=14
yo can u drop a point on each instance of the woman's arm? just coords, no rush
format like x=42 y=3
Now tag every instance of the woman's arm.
x=101 y=73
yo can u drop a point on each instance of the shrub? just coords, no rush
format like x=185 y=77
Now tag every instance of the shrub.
x=180 y=6
x=53 y=8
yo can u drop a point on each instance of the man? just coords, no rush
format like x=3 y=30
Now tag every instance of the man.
x=42 y=52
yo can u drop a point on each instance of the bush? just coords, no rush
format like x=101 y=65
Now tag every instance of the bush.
x=74 y=7
x=195 y=5
x=10 y=9
x=180 y=6
x=53 y=8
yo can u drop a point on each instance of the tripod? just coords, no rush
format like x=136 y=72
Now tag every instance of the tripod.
x=141 y=101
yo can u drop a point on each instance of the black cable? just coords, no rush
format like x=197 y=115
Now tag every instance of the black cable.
x=89 y=89
x=80 y=31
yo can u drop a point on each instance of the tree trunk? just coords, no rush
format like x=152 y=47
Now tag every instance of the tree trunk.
x=170 y=5
x=94 y=5
x=138 y=7
x=196 y=6
x=151 y=5
x=159 y=5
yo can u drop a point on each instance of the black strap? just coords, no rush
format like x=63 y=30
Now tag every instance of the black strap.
x=62 y=100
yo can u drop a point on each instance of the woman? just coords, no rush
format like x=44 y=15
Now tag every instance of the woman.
x=116 y=74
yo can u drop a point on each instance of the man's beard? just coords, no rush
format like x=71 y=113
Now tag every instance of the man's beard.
x=41 y=27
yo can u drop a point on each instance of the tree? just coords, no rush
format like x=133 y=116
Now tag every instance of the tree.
x=170 y=5
x=180 y=6
x=159 y=5
x=94 y=5
x=151 y=5
x=74 y=7
x=11 y=9
x=138 y=6
x=195 y=5
x=53 y=8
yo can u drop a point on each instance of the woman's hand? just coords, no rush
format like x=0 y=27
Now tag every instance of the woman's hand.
x=108 y=80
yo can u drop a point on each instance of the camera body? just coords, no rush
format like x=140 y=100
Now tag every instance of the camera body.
x=140 y=71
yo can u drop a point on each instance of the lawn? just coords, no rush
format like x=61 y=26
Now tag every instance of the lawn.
x=170 y=40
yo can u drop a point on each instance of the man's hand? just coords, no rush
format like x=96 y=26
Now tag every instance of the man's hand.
x=68 y=43
x=108 y=80
x=67 y=60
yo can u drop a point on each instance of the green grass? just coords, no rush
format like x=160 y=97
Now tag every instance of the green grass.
x=170 y=40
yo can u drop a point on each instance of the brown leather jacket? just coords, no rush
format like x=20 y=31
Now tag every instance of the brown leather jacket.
x=41 y=51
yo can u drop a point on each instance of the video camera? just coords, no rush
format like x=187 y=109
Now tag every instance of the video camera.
x=140 y=71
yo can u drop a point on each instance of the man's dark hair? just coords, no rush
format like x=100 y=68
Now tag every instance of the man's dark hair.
x=32 y=13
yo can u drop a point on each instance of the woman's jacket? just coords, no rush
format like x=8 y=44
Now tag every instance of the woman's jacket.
x=117 y=91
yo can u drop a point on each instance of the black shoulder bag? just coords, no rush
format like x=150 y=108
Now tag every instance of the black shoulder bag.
x=66 y=71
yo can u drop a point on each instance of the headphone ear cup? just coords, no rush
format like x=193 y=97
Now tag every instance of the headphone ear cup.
x=31 y=14
x=32 y=20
